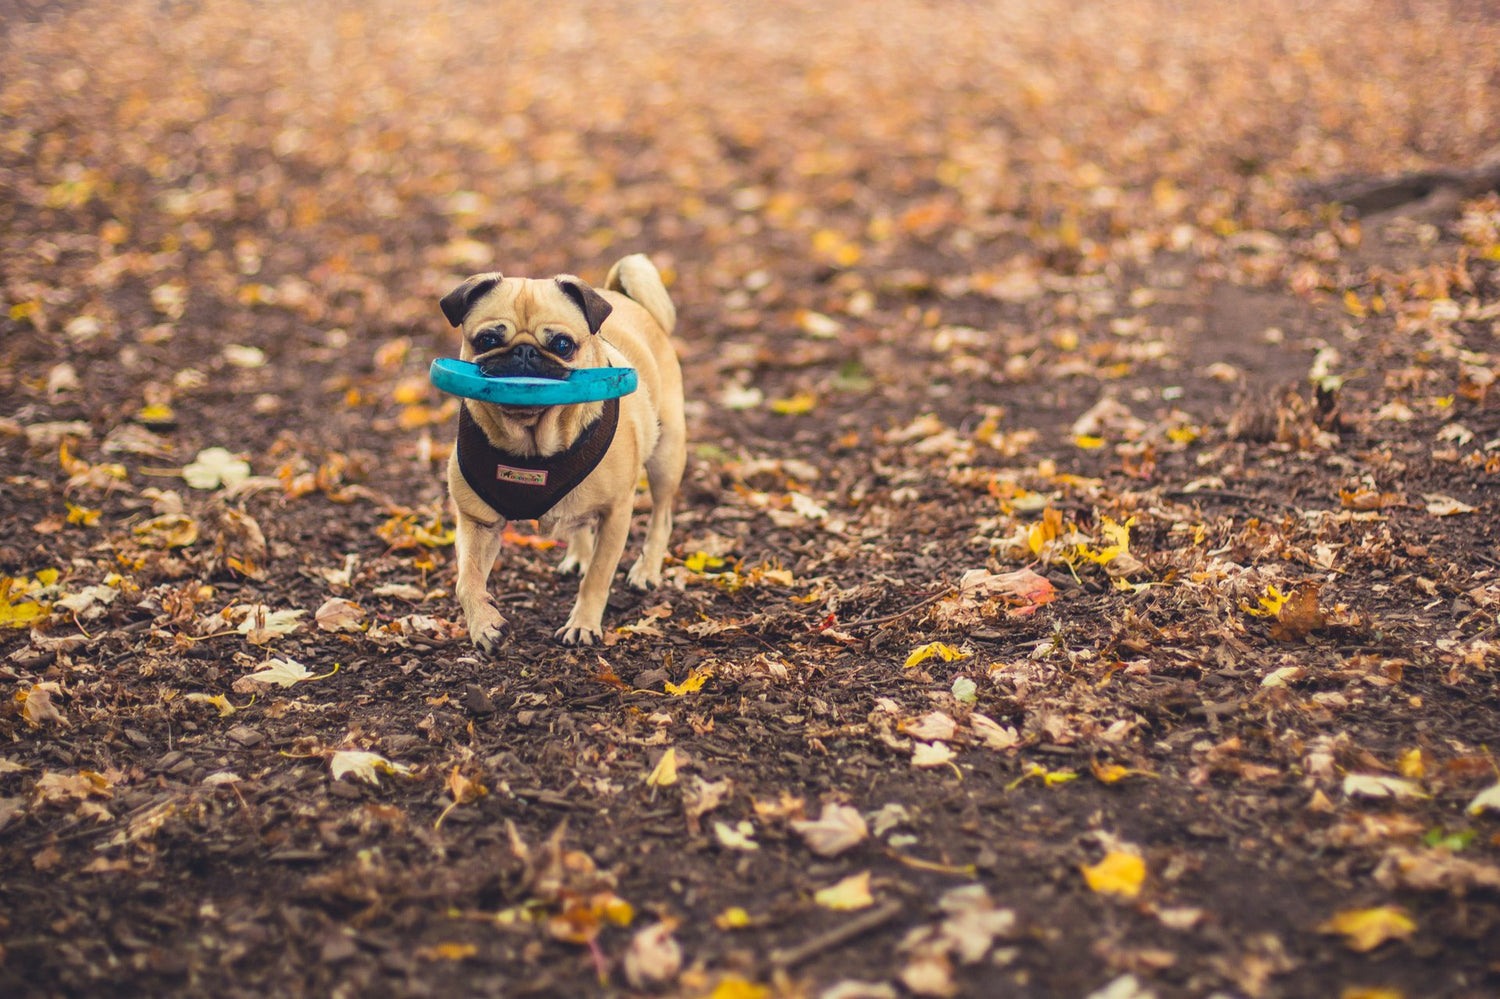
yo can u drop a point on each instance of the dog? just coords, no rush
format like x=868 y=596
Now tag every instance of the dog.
x=573 y=467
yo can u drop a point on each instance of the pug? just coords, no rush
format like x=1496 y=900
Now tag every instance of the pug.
x=572 y=467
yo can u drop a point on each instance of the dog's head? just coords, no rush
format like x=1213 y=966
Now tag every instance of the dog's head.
x=543 y=328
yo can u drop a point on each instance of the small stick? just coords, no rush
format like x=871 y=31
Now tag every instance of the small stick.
x=790 y=957
x=900 y=614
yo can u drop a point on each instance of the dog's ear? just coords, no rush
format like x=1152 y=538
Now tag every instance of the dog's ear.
x=457 y=303
x=595 y=308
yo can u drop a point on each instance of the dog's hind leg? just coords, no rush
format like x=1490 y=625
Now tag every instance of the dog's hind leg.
x=664 y=475
x=580 y=551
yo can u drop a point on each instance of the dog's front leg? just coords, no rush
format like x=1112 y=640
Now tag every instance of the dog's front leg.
x=586 y=623
x=478 y=546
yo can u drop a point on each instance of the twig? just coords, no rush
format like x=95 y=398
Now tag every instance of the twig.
x=900 y=614
x=790 y=957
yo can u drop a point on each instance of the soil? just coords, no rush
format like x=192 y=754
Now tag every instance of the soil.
x=223 y=229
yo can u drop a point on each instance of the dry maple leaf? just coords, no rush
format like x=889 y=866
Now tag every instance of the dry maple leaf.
x=837 y=829
x=1299 y=616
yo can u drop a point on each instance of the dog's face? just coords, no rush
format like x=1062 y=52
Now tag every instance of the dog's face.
x=519 y=326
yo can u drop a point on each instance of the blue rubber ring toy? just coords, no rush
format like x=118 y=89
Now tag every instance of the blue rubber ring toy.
x=463 y=378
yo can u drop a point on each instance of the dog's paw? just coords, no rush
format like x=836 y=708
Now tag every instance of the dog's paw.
x=573 y=635
x=571 y=565
x=641 y=578
x=487 y=629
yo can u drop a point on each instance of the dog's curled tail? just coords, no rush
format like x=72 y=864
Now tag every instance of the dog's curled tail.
x=637 y=277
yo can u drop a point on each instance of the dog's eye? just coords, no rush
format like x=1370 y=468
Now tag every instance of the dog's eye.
x=562 y=345
x=487 y=341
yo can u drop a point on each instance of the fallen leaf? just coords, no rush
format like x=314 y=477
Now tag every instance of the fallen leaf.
x=654 y=955
x=262 y=624
x=1298 y=615
x=1124 y=987
x=1379 y=786
x=837 y=829
x=1119 y=873
x=1365 y=929
x=851 y=893
x=934 y=725
x=337 y=614
x=1486 y=800
x=37 y=707
x=693 y=683
x=946 y=653
x=735 y=987
x=964 y=690
x=215 y=468
x=850 y=988
x=931 y=754
x=446 y=951
x=1112 y=773
x=217 y=700
x=282 y=672
x=994 y=735
x=363 y=765
x=1446 y=506
x=170 y=530
x=732 y=918
x=664 y=774
x=740 y=836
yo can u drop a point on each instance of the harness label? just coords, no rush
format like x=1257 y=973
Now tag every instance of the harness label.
x=521 y=476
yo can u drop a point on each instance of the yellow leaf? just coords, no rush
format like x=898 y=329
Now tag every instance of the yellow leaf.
x=1353 y=305
x=1051 y=778
x=1359 y=992
x=665 y=773
x=25 y=310
x=945 y=652
x=170 y=530
x=1110 y=773
x=732 y=918
x=1366 y=929
x=16 y=613
x=703 y=562
x=447 y=951
x=1412 y=764
x=693 y=683
x=1117 y=874
x=735 y=987
x=217 y=700
x=851 y=893
x=1270 y=604
x=835 y=249
x=82 y=515
x=156 y=414
x=802 y=402
x=618 y=911
x=1088 y=442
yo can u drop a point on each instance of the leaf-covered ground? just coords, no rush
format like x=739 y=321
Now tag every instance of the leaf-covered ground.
x=1086 y=581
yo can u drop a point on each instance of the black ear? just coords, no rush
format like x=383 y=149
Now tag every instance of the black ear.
x=457 y=303
x=595 y=308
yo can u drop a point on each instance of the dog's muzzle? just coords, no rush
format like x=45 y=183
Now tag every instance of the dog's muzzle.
x=523 y=359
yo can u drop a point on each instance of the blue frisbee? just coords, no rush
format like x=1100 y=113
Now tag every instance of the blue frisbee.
x=584 y=385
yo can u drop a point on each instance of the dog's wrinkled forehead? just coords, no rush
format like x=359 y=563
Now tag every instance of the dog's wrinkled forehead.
x=526 y=306
x=528 y=303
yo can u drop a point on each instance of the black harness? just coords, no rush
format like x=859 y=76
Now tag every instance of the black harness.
x=525 y=487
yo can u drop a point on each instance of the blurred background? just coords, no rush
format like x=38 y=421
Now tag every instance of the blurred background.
x=265 y=173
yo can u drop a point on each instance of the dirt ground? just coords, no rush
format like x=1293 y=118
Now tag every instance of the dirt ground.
x=1085 y=582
